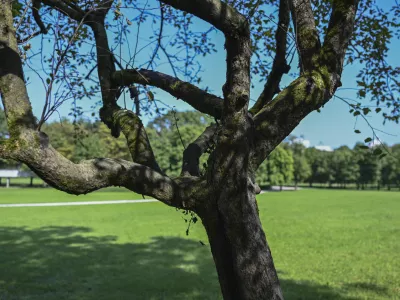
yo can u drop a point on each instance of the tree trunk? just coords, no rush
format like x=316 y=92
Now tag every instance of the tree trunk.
x=240 y=250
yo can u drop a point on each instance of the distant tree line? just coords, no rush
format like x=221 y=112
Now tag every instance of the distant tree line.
x=290 y=163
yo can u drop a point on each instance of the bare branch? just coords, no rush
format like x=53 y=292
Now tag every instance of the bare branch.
x=307 y=39
x=193 y=152
x=197 y=98
x=280 y=65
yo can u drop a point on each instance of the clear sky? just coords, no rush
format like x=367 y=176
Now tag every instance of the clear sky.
x=333 y=126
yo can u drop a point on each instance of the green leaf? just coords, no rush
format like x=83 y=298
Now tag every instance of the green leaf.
x=366 y=110
x=364 y=147
x=356 y=113
x=367 y=140
x=357 y=131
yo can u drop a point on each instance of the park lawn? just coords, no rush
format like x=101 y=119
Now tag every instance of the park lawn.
x=332 y=245
x=44 y=195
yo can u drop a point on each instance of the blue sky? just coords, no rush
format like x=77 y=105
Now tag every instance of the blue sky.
x=333 y=126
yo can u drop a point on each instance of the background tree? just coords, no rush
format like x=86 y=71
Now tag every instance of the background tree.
x=280 y=167
x=319 y=163
x=301 y=166
x=344 y=166
x=389 y=169
x=368 y=165
x=242 y=138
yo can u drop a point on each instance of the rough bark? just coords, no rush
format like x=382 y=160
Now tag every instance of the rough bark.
x=241 y=253
x=279 y=66
x=197 y=98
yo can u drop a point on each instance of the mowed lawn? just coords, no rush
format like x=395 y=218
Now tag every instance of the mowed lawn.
x=332 y=245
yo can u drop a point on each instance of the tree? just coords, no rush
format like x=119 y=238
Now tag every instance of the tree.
x=389 y=169
x=280 y=167
x=319 y=162
x=301 y=166
x=344 y=166
x=224 y=196
x=368 y=165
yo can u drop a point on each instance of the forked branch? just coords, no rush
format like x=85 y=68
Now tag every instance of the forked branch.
x=280 y=65
x=306 y=34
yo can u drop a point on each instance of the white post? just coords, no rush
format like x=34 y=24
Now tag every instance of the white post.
x=8 y=183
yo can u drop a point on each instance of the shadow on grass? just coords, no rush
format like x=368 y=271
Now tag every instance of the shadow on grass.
x=70 y=263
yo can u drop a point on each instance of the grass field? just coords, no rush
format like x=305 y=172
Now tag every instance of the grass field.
x=332 y=245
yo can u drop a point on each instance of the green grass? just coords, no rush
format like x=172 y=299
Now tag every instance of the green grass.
x=334 y=245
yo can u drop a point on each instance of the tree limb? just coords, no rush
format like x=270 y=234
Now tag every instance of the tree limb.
x=65 y=7
x=306 y=34
x=221 y=15
x=340 y=30
x=279 y=117
x=280 y=65
x=197 y=98
x=12 y=86
x=35 y=12
x=132 y=127
x=236 y=29
x=313 y=88
x=192 y=154
x=35 y=151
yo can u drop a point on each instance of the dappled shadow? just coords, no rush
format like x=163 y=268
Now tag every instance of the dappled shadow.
x=72 y=263
x=369 y=287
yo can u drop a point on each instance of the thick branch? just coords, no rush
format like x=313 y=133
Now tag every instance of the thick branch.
x=197 y=98
x=340 y=30
x=237 y=44
x=277 y=119
x=36 y=16
x=87 y=176
x=73 y=12
x=132 y=127
x=105 y=63
x=315 y=87
x=195 y=150
x=215 y=12
x=280 y=65
x=12 y=86
x=307 y=39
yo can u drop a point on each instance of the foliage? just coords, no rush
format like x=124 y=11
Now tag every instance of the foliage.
x=280 y=166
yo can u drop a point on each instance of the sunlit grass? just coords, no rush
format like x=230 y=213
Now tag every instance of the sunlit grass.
x=326 y=245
